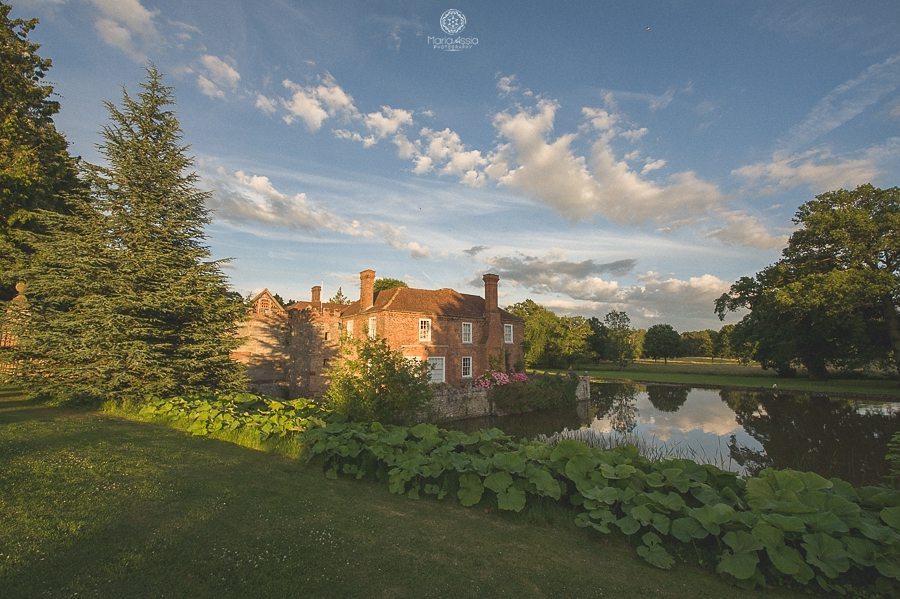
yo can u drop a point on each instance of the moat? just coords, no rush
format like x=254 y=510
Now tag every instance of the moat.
x=739 y=430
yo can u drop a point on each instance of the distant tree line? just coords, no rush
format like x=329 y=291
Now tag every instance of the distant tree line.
x=555 y=341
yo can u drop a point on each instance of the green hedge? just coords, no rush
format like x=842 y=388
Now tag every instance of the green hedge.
x=540 y=392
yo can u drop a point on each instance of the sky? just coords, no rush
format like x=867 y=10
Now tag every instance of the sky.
x=637 y=156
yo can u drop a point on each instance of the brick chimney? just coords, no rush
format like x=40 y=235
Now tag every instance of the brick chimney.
x=490 y=292
x=317 y=295
x=366 y=289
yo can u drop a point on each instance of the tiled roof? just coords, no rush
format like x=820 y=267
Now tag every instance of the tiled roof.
x=302 y=305
x=439 y=302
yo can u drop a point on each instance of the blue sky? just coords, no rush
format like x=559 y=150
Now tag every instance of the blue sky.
x=638 y=156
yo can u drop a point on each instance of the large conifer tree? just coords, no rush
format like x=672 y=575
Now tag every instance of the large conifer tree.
x=171 y=300
x=125 y=302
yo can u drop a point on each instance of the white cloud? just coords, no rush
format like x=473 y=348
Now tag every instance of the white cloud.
x=506 y=84
x=693 y=297
x=241 y=199
x=266 y=104
x=127 y=25
x=633 y=135
x=550 y=171
x=217 y=76
x=304 y=105
x=745 y=229
x=653 y=165
x=208 y=88
x=600 y=119
x=313 y=104
x=817 y=169
x=388 y=121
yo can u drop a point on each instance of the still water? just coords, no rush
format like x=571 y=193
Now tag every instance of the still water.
x=739 y=430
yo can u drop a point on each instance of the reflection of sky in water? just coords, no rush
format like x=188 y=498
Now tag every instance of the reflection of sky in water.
x=699 y=429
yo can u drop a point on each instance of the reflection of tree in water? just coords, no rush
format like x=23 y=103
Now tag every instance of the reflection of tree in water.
x=667 y=398
x=828 y=436
x=618 y=402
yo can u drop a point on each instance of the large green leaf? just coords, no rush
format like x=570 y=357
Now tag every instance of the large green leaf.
x=470 y=489
x=498 y=481
x=687 y=529
x=512 y=499
x=741 y=541
x=891 y=517
x=826 y=553
x=786 y=560
x=543 y=481
x=741 y=565
x=628 y=525
x=654 y=553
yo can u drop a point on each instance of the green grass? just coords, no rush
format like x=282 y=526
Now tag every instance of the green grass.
x=94 y=505
x=702 y=372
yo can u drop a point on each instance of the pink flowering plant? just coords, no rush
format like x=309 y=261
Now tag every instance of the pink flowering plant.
x=497 y=378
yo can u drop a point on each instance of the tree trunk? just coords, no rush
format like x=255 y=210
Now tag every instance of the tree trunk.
x=815 y=368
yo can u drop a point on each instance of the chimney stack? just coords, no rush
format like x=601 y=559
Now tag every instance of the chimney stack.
x=490 y=292
x=317 y=295
x=366 y=289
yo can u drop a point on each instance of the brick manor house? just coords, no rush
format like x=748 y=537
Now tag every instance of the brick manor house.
x=460 y=335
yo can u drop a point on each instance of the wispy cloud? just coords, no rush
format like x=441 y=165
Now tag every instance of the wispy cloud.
x=844 y=103
x=241 y=198
x=817 y=169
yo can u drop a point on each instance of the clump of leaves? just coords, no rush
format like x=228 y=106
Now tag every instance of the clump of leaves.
x=374 y=382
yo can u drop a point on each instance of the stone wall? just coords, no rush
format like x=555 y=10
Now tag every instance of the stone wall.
x=458 y=403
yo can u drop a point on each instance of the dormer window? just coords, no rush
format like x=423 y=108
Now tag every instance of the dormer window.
x=425 y=330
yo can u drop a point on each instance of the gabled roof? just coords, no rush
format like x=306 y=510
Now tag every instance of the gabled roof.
x=438 y=302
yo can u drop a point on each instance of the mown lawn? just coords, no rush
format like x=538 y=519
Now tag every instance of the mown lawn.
x=703 y=372
x=93 y=505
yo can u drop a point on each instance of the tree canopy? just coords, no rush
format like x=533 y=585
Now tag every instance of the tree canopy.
x=36 y=170
x=551 y=340
x=339 y=298
x=388 y=283
x=662 y=341
x=834 y=296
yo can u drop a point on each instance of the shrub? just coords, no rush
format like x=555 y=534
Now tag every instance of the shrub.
x=534 y=393
x=374 y=382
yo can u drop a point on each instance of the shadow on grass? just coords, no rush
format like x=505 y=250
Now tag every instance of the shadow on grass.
x=110 y=507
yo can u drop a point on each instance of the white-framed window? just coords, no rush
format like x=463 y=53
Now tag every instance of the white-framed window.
x=349 y=328
x=372 y=330
x=436 y=369
x=424 y=329
x=466 y=363
x=467 y=332
x=507 y=333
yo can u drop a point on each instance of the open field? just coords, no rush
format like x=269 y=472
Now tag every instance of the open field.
x=730 y=373
x=100 y=506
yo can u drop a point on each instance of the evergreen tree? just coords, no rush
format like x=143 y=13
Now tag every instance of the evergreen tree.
x=339 y=298
x=36 y=170
x=124 y=302
x=178 y=321
x=65 y=328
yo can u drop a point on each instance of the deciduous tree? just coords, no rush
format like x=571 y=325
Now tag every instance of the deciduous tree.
x=36 y=170
x=662 y=341
x=834 y=296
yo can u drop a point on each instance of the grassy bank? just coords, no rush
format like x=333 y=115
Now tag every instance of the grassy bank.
x=101 y=506
x=702 y=372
